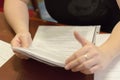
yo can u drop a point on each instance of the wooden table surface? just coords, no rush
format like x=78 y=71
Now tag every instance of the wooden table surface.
x=18 y=69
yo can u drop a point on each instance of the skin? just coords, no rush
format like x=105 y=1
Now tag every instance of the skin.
x=98 y=57
x=17 y=16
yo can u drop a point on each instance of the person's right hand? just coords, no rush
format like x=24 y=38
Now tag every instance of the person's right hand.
x=22 y=39
x=89 y=58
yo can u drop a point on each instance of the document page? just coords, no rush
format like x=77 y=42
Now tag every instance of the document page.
x=5 y=52
x=101 y=38
x=56 y=44
x=112 y=72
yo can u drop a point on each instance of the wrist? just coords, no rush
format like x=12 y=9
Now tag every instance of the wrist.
x=22 y=31
x=108 y=52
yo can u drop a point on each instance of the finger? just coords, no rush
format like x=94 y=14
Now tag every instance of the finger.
x=80 y=39
x=15 y=43
x=75 y=63
x=86 y=65
x=86 y=71
x=87 y=60
x=77 y=54
x=95 y=68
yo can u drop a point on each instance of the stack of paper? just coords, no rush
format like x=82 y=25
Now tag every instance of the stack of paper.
x=53 y=44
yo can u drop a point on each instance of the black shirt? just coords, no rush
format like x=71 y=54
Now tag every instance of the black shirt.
x=85 y=12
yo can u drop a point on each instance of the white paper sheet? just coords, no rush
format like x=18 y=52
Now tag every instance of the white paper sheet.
x=5 y=52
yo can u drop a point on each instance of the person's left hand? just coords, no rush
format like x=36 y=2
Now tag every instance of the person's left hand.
x=23 y=40
x=88 y=59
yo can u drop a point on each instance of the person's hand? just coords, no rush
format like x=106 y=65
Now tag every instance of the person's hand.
x=89 y=59
x=21 y=40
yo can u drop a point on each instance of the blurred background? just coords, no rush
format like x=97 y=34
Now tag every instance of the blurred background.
x=43 y=12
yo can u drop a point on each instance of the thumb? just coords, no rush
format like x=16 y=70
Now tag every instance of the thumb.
x=80 y=39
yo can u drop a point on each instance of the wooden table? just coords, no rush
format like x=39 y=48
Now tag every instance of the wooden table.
x=17 y=69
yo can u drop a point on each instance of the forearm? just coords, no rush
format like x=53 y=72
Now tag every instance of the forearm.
x=112 y=45
x=16 y=12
